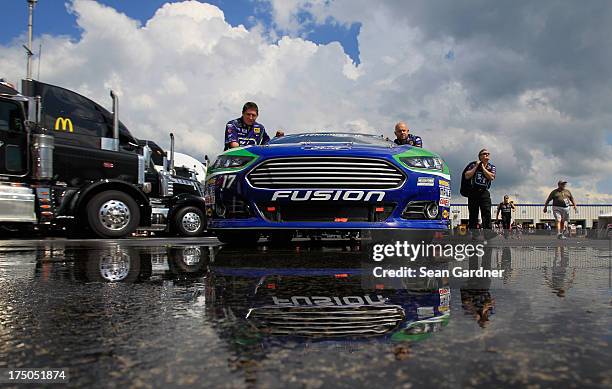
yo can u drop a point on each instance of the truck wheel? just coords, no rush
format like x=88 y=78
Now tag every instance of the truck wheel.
x=189 y=221
x=240 y=239
x=113 y=214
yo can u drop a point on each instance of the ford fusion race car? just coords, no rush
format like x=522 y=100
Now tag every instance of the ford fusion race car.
x=326 y=181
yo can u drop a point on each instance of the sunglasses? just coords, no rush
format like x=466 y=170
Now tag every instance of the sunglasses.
x=485 y=154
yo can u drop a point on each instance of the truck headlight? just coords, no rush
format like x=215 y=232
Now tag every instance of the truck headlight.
x=432 y=163
x=231 y=161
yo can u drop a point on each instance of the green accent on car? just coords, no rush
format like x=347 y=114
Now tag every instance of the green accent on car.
x=237 y=152
x=419 y=152
x=402 y=336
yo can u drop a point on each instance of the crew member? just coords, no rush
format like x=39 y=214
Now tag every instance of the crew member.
x=480 y=173
x=404 y=137
x=279 y=134
x=561 y=201
x=505 y=208
x=245 y=131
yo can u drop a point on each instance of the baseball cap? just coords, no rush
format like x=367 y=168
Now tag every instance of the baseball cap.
x=561 y=182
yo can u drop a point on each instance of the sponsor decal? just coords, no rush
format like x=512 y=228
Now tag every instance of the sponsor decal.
x=443 y=183
x=328 y=195
x=445 y=192
x=325 y=301
x=423 y=312
x=64 y=123
x=445 y=197
x=425 y=181
x=256 y=130
x=445 y=214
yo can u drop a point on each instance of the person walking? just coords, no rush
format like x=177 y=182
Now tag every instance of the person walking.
x=561 y=199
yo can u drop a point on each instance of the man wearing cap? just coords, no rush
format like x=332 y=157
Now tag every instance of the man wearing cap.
x=561 y=201
x=404 y=137
x=480 y=174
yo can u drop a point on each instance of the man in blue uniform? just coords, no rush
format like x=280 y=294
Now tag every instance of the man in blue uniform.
x=404 y=137
x=245 y=131
x=480 y=173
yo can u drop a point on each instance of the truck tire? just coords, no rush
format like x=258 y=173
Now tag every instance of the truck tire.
x=189 y=221
x=112 y=214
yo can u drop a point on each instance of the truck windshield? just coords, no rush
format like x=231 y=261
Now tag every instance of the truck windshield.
x=10 y=116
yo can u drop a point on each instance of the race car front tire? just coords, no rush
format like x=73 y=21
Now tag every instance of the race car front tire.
x=280 y=238
x=238 y=238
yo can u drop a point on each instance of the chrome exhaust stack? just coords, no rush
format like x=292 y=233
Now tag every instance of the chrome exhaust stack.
x=112 y=144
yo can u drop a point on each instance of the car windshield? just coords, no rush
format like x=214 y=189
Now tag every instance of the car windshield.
x=364 y=139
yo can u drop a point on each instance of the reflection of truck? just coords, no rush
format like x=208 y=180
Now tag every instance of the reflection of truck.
x=65 y=158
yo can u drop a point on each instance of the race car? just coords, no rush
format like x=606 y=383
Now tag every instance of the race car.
x=325 y=181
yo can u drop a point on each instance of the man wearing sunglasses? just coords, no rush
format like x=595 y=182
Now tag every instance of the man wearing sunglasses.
x=480 y=173
x=245 y=131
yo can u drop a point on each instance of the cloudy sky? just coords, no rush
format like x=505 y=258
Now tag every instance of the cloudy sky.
x=531 y=81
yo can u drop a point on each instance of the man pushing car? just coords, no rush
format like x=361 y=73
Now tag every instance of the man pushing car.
x=245 y=131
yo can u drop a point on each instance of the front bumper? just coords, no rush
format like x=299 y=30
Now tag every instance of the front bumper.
x=261 y=224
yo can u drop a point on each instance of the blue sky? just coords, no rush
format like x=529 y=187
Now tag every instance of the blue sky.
x=51 y=17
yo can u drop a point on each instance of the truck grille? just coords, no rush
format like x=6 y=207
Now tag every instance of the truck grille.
x=326 y=172
x=329 y=321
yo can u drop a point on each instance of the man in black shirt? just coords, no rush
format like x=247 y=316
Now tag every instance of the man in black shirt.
x=505 y=207
x=480 y=173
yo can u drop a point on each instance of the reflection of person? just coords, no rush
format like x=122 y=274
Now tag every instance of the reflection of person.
x=404 y=137
x=557 y=280
x=279 y=134
x=480 y=173
x=245 y=131
x=506 y=263
x=476 y=297
x=561 y=201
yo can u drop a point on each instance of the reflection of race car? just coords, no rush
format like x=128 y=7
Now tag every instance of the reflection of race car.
x=327 y=303
x=326 y=182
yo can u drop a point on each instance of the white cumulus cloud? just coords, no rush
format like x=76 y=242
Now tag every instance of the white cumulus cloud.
x=189 y=71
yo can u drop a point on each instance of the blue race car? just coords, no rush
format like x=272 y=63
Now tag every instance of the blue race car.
x=325 y=181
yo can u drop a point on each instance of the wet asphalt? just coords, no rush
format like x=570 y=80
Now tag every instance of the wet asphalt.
x=168 y=312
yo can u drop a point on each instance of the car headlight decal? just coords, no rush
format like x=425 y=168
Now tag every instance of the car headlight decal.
x=423 y=162
x=231 y=161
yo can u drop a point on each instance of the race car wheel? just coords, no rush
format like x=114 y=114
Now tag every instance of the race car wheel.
x=238 y=238
x=112 y=214
x=280 y=238
x=189 y=221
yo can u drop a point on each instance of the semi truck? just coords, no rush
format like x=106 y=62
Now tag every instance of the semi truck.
x=67 y=161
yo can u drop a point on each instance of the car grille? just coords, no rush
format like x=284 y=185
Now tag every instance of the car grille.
x=326 y=172
x=330 y=321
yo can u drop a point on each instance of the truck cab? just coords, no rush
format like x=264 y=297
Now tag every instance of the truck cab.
x=64 y=158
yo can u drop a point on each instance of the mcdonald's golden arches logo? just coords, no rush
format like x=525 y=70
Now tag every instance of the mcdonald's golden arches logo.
x=64 y=123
